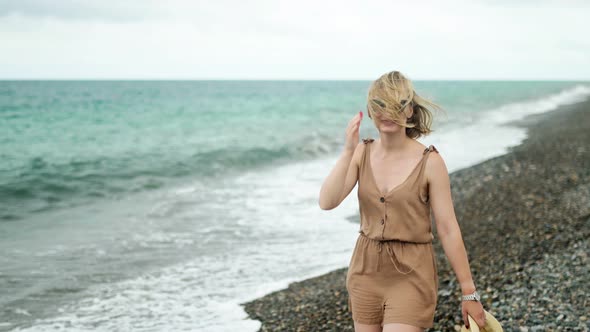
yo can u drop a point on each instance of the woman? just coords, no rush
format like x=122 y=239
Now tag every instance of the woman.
x=392 y=277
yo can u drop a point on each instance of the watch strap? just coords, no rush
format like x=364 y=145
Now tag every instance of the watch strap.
x=470 y=297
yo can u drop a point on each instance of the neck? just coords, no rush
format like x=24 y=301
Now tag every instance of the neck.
x=393 y=142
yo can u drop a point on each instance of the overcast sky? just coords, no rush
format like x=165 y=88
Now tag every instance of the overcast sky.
x=303 y=39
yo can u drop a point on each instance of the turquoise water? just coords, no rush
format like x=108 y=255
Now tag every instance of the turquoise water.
x=156 y=205
x=65 y=142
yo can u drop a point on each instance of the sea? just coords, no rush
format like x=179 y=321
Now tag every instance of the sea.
x=165 y=205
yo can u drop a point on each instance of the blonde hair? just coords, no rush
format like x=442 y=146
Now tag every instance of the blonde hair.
x=391 y=93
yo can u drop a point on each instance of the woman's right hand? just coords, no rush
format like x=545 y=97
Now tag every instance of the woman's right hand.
x=352 y=132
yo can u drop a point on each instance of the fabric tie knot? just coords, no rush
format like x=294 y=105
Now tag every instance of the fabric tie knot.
x=392 y=257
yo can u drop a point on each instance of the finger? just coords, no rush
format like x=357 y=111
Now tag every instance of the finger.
x=356 y=119
x=352 y=127
x=353 y=119
x=482 y=321
x=351 y=130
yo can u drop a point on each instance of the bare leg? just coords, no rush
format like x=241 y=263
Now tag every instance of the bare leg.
x=358 y=327
x=398 y=327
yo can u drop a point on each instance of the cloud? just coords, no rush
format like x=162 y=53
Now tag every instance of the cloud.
x=119 y=11
x=304 y=39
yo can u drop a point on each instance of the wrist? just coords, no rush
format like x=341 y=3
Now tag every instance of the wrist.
x=348 y=151
x=468 y=288
x=471 y=297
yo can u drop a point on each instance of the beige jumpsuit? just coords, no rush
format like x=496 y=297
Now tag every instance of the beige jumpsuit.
x=392 y=275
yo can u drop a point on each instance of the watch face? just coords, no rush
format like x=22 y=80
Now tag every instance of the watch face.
x=476 y=296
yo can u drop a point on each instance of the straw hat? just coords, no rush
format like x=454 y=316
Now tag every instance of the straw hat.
x=492 y=325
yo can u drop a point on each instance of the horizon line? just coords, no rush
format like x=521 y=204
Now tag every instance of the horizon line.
x=297 y=79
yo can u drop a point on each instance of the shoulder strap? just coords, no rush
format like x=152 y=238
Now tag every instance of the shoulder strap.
x=363 y=160
x=430 y=148
x=368 y=140
x=425 y=155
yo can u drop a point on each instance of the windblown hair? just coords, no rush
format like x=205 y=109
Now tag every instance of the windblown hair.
x=390 y=94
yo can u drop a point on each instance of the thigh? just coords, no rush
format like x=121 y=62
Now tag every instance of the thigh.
x=365 y=293
x=358 y=327
x=365 y=305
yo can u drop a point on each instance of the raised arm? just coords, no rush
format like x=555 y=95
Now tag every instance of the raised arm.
x=344 y=174
x=341 y=179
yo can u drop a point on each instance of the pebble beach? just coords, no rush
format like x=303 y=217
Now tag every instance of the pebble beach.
x=525 y=221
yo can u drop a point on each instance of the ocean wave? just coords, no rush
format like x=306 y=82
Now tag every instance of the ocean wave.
x=41 y=184
x=516 y=111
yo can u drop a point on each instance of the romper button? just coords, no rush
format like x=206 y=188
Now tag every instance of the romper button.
x=382 y=199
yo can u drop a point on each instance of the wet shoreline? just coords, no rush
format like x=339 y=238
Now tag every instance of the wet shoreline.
x=525 y=220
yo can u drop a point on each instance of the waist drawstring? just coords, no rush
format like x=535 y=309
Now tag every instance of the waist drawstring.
x=390 y=253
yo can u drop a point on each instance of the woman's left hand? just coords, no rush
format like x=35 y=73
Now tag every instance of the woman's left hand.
x=475 y=310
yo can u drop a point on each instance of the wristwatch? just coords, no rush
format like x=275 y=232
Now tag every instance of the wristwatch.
x=471 y=297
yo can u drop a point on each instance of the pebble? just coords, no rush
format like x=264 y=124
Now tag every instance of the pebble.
x=525 y=221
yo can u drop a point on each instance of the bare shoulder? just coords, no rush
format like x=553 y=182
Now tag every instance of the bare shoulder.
x=436 y=167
